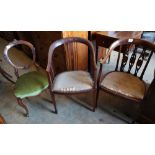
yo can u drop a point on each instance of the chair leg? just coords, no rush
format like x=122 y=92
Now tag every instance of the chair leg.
x=21 y=103
x=54 y=102
x=97 y=96
x=94 y=100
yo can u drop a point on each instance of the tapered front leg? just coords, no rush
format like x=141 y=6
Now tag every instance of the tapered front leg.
x=53 y=102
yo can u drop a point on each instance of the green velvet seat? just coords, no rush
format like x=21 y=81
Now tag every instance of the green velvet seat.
x=30 y=84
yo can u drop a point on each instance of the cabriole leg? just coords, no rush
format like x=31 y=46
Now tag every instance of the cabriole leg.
x=21 y=103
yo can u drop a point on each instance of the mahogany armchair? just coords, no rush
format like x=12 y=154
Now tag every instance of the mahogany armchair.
x=127 y=78
x=28 y=84
x=73 y=81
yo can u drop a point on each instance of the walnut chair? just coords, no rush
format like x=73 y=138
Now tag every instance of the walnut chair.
x=72 y=81
x=127 y=78
x=28 y=84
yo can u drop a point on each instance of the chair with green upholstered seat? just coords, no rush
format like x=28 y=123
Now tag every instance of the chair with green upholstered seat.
x=28 y=84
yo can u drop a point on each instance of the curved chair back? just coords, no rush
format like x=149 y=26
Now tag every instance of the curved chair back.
x=14 y=43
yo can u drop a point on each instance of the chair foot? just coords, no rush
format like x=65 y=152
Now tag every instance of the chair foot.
x=55 y=112
x=26 y=115
x=21 y=103
x=93 y=109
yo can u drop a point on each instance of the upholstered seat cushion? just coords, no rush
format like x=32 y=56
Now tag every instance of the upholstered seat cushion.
x=30 y=84
x=72 y=81
x=123 y=83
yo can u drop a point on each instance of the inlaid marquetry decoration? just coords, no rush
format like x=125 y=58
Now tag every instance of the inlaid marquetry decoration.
x=76 y=53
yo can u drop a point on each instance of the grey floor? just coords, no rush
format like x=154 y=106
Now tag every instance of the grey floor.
x=40 y=110
x=69 y=111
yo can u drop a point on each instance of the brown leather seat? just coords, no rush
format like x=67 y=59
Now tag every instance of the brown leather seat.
x=72 y=81
x=124 y=84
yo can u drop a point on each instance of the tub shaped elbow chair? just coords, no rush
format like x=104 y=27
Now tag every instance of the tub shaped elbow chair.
x=72 y=81
x=28 y=84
